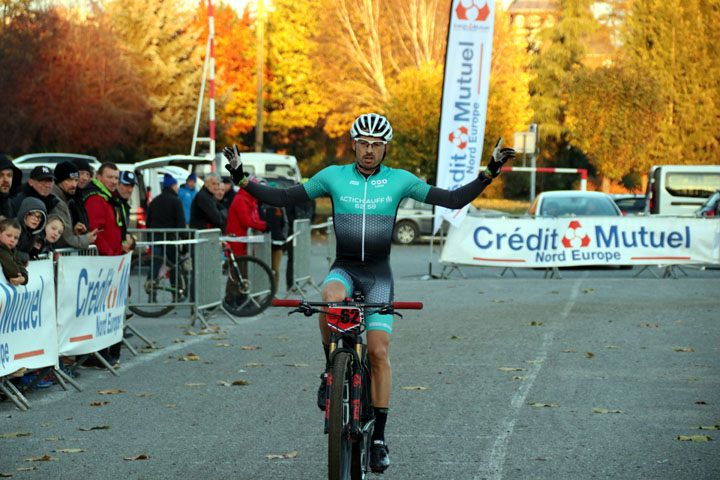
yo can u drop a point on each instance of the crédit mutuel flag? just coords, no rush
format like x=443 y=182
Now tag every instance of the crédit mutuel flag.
x=464 y=99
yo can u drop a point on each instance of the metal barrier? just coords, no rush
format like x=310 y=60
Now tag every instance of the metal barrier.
x=261 y=250
x=302 y=257
x=90 y=251
x=207 y=273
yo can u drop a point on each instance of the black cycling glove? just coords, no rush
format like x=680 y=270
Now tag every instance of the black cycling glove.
x=234 y=165
x=499 y=158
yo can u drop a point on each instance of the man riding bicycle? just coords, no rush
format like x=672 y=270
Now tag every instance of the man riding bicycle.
x=365 y=197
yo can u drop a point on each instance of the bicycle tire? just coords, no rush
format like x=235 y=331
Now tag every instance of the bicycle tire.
x=152 y=292
x=340 y=444
x=360 y=464
x=256 y=285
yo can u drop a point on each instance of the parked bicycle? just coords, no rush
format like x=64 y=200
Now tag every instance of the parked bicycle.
x=349 y=419
x=249 y=290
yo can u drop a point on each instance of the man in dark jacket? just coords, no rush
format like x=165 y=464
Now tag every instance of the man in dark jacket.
x=39 y=186
x=66 y=181
x=166 y=211
x=10 y=183
x=77 y=207
x=204 y=211
x=125 y=187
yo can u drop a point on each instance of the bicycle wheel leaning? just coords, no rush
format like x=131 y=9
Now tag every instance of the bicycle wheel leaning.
x=250 y=286
x=169 y=285
x=340 y=442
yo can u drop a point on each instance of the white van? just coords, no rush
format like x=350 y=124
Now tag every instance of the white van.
x=265 y=165
x=680 y=189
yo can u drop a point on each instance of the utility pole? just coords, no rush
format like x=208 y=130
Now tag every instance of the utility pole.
x=259 y=34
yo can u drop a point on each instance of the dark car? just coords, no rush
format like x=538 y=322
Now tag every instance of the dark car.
x=630 y=204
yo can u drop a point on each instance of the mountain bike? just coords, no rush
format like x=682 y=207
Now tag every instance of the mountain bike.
x=250 y=284
x=349 y=418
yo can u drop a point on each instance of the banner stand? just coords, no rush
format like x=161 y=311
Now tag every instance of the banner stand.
x=129 y=347
x=502 y=274
x=14 y=394
x=553 y=272
x=63 y=377
x=137 y=334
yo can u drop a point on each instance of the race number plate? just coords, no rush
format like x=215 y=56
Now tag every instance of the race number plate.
x=344 y=319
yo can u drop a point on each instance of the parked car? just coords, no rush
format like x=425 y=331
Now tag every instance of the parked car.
x=564 y=203
x=414 y=221
x=711 y=208
x=680 y=189
x=261 y=164
x=630 y=204
x=31 y=160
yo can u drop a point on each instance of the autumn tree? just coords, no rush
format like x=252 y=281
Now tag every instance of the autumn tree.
x=167 y=54
x=676 y=43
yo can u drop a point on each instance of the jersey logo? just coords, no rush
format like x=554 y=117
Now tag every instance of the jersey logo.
x=379 y=183
x=354 y=182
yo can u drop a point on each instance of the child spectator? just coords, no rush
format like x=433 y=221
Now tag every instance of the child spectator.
x=12 y=265
x=53 y=231
x=32 y=217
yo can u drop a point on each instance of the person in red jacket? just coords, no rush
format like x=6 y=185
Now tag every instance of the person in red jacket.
x=243 y=214
x=103 y=212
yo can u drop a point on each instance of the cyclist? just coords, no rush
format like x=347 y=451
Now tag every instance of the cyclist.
x=365 y=197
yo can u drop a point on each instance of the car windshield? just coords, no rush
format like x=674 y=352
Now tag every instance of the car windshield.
x=564 y=206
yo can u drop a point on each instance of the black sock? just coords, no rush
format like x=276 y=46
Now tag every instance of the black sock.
x=380 y=421
x=326 y=348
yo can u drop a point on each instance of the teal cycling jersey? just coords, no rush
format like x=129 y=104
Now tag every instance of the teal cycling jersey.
x=364 y=208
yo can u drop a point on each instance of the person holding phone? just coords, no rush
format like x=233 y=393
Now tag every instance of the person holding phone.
x=365 y=197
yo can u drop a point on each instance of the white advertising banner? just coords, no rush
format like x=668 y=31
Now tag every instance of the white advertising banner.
x=464 y=100
x=565 y=242
x=91 y=299
x=28 y=336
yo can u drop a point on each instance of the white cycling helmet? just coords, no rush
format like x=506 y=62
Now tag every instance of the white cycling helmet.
x=371 y=125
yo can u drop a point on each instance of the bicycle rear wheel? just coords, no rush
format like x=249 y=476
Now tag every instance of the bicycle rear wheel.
x=170 y=285
x=251 y=286
x=340 y=443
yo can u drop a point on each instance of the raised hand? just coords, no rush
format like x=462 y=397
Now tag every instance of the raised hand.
x=500 y=156
x=234 y=165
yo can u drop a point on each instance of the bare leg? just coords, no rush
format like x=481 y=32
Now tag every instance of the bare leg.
x=379 y=352
x=331 y=292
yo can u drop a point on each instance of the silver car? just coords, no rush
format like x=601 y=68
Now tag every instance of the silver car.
x=564 y=203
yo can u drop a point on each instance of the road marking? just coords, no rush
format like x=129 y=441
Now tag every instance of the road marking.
x=493 y=469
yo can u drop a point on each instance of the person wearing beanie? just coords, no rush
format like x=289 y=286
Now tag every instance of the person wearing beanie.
x=187 y=193
x=126 y=185
x=165 y=211
x=66 y=182
x=77 y=207
x=168 y=181
x=10 y=183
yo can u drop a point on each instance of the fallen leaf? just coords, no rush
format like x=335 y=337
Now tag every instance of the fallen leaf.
x=692 y=379
x=188 y=384
x=519 y=378
x=708 y=427
x=602 y=410
x=589 y=355
x=240 y=382
x=97 y=427
x=248 y=347
x=535 y=324
x=549 y=405
x=53 y=439
x=44 y=458
x=414 y=388
x=279 y=355
x=569 y=351
x=254 y=365
x=497 y=300
x=70 y=450
x=110 y=392
x=292 y=454
x=25 y=469
x=223 y=383
x=143 y=394
x=651 y=325
x=46 y=424
x=5 y=475
x=172 y=405
x=285 y=339
x=223 y=345
x=15 y=434
x=177 y=340
x=190 y=357
x=588 y=290
x=454 y=337
x=297 y=365
x=700 y=402
x=694 y=438
x=686 y=350
x=188 y=332
x=98 y=404
x=219 y=337
x=512 y=369
x=554 y=292
x=138 y=457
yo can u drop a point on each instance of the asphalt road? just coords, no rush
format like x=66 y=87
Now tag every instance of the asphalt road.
x=597 y=339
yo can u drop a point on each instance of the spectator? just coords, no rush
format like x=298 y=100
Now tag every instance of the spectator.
x=297 y=211
x=53 y=232
x=219 y=195
x=164 y=212
x=126 y=184
x=12 y=265
x=32 y=218
x=243 y=214
x=228 y=192
x=77 y=205
x=10 y=183
x=38 y=186
x=102 y=208
x=204 y=212
x=66 y=185
x=277 y=223
x=186 y=194
x=103 y=213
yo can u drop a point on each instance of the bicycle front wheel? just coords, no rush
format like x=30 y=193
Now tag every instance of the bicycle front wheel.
x=340 y=443
x=250 y=288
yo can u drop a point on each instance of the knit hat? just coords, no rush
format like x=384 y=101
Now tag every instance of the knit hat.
x=82 y=165
x=127 y=177
x=192 y=177
x=168 y=180
x=65 y=170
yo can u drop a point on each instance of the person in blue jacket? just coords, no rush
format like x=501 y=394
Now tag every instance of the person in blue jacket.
x=186 y=193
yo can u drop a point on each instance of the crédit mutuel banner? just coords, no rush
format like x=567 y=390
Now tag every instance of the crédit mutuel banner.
x=91 y=298
x=564 y=242
x=464 y=100
x=27 y=320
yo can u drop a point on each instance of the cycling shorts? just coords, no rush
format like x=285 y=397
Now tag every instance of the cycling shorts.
x=373 y=279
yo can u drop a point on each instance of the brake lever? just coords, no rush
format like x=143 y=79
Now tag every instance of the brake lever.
x=388 y=310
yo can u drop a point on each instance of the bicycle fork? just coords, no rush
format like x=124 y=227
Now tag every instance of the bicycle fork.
x=354 y=396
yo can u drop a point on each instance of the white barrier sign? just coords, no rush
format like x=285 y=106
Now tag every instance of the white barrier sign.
x=91 y=299
x=27 y=321
x=564 y=242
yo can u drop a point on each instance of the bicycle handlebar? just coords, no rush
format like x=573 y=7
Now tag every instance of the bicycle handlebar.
x=395 y=305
